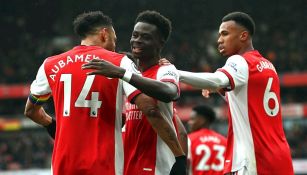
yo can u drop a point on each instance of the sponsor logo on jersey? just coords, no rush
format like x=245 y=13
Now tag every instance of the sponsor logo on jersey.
x=170 y=73
x=233 y=66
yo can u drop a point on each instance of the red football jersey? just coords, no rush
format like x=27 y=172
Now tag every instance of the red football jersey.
x=206 y=152
x=88 y=111
x=256 y=139
x=145 y=152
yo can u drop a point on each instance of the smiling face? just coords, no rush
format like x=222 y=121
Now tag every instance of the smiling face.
x=231 y=37
x=145 y=41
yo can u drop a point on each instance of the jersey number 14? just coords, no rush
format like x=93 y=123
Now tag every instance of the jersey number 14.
x=93 y=103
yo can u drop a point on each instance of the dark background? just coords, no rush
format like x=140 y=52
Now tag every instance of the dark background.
x=35 y=29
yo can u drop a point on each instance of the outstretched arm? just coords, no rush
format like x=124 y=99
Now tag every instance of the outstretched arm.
x=208 y=81
x=163 y=91
x=212 y=81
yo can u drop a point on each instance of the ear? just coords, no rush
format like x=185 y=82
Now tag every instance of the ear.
x=104 y=34
x=244 y=36
x=162 y=43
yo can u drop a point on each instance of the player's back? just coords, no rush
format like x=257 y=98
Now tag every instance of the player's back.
x=206 y=152
x=256 y=137
x=264 y=108
x=88 y=124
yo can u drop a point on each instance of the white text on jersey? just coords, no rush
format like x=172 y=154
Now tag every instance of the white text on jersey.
x=214 y=139
x=265 y=65
x=70 y=59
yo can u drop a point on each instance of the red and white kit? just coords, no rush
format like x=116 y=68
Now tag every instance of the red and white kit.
x=88 y=111
x=206 y=152
x=256 y=140
x=145 y=152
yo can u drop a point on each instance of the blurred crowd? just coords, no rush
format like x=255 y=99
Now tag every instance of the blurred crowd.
x=33 y=30
x=26 y=149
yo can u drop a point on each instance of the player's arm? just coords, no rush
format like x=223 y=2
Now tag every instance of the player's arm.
x=37 y=114
x=33 y=108
x=233 y=74
x=182 y=134
x=163 y=91
x=209 y=81
x=212 y=81
x=159 y=123
x=164 y=129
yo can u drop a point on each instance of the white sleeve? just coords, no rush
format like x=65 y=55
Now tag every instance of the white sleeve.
x=204 y=80
x=168 y=73
x=129 y=90
x=40 y=86
x=236 y=69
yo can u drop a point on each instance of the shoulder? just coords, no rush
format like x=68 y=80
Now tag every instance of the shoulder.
x=236 y=59
x=110 y=55
x=194 y=135
x=220 y=136
x=167 y=67
x=169 y=70
x=236 y=63
x=128 y=64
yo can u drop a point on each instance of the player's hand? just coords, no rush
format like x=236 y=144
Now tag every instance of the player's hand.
x=180 y=166
x=103 y=67
x=51 y=128
x=206 y=93
x=164 y=62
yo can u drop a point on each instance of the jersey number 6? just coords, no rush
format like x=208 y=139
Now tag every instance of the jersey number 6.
x=270 y=95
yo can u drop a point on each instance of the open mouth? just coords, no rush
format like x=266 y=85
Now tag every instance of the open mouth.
x=137 y=50
x=221 y=48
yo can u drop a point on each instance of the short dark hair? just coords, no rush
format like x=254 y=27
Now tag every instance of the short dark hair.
x=88 y=22
x=242 y=19
x=163 y=24
x=206 y=112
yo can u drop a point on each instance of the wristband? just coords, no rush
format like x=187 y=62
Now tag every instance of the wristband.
x=51 y=128
x=127 y=76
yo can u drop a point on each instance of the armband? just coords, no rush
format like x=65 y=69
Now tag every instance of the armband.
x=39 y=100
x=51 y=128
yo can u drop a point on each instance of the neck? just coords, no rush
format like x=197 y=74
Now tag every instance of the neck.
x=246 y=48
x=90 y=41
x=145 y=64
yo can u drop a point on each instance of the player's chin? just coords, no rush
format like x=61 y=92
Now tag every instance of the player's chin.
x=137 y=54
x=223 y=52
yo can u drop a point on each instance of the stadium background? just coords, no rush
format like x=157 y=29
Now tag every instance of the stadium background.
x=34 y=29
